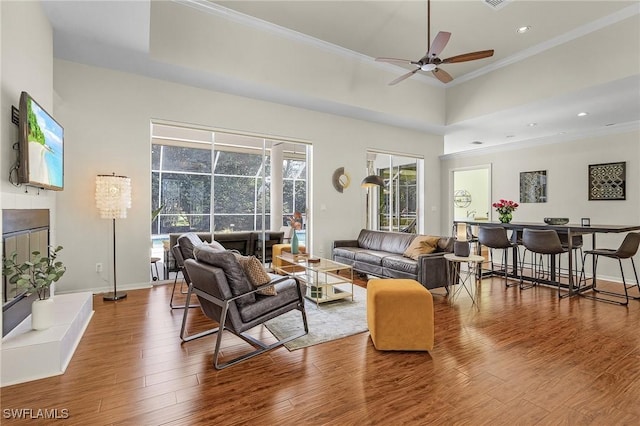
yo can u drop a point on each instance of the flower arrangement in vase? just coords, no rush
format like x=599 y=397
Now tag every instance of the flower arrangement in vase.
x=504 y=209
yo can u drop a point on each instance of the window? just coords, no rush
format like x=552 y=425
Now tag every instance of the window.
x=181 y=183
x=210 y=181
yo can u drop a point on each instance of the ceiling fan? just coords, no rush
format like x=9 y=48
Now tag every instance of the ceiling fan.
x=430 y=61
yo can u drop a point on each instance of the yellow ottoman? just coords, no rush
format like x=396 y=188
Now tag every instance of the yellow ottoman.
x=279 y=264
x=400 y=315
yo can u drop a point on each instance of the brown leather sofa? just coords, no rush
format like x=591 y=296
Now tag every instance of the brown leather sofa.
x=382 y=254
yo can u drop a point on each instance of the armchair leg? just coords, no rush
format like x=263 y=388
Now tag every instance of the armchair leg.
x=261 y=347
x=224 y=305
x=183 y=330
x=188 y=293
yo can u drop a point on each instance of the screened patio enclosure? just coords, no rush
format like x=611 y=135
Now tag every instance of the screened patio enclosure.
x=210 y=181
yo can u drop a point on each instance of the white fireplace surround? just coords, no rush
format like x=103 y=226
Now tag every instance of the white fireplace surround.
x=31 y=355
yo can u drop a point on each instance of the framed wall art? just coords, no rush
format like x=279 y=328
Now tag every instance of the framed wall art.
x=533 y=187
x=607 y=181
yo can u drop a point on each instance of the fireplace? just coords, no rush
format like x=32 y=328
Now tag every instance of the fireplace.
x=23 y=231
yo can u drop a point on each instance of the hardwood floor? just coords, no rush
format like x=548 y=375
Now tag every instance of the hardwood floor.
x=523 y=357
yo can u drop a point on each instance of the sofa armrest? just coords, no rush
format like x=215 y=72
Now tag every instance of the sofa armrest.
x=432 y=270
x=345 y=243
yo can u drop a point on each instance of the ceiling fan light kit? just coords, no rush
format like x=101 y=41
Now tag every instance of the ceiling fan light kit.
x=430 y=62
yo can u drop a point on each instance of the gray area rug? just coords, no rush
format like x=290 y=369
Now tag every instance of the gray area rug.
x=330 y=321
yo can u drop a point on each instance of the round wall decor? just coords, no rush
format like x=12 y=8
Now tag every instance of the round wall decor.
x=340 y=179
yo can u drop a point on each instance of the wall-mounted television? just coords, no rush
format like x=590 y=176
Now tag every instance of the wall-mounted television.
x=41 y=145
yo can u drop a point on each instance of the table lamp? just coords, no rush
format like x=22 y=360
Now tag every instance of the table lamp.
x=461 y=246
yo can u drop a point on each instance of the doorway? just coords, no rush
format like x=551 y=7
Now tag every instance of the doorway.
x=471 y=193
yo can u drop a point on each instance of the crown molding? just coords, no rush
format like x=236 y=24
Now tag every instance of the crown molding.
x=215 y=9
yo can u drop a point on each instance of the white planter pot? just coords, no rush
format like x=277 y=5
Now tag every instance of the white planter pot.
x=42 y=314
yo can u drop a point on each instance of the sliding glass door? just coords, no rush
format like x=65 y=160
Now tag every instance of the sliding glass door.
x=394 y=206
x=205 y=181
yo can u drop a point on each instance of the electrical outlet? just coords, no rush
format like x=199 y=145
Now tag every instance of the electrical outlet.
x=98 y=267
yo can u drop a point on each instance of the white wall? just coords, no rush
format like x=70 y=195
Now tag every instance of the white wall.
x=107 y=117
x=27 y=65
x=567 y=185
x=248 y=55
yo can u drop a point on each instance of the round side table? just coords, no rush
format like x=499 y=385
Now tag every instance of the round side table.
x=464 y=278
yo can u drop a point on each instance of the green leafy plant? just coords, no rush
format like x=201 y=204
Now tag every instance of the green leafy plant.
x=36 y=274
x=156 y=212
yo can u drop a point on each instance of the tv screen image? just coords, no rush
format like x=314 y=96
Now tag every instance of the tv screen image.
x=41 y=146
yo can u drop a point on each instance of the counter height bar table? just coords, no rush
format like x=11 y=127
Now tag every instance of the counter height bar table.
x=569 y=229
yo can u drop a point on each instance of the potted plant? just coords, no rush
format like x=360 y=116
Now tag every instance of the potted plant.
x=36 y=276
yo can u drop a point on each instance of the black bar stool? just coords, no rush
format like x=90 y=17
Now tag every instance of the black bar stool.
x=627 y=250
x=540 y=242
x=576 y=244
x=496 y=238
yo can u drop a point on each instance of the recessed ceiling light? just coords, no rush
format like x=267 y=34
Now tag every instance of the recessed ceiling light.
x=523 y=30
x=582 y=114
x=476 y=143
x=532 y=124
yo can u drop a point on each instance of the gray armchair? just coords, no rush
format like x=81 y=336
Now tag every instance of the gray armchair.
x=227 y=297
x=183 y=249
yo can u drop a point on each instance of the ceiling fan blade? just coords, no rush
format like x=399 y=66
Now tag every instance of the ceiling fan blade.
x=442 y=75
x=395 y=60
x=438 y=44
x=468 y=57
x=404 y=76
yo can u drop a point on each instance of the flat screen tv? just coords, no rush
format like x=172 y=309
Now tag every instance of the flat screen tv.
x=41 y=144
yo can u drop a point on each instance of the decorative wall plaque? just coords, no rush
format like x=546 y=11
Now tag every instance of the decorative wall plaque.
x=607 y=181
x=340 y=179
x=533 y=187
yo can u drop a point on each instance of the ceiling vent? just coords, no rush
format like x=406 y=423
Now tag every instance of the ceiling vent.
x=496 y=4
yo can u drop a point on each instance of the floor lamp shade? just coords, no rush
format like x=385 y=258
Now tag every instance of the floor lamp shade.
x=113 y=198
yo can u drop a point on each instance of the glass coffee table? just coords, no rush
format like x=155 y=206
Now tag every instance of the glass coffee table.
x=321 y=276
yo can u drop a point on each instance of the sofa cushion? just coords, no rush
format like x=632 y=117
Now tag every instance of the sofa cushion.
x=236 y=278
x=215 y=245
x=400 y=263
x=287 y=293
x=394 y=242
x=422 y=244
x=371 y=257
x=347 y=252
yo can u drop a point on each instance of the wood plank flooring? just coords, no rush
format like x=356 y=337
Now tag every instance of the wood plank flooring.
x=522 y=357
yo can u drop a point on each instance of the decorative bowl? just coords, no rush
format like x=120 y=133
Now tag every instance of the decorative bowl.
x=556 y=220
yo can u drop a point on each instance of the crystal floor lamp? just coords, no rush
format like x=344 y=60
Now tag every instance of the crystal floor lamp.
x=113 y=198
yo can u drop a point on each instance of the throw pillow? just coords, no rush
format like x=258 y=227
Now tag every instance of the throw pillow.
x=216 y=246
x=256 y=273
x=422 y=244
